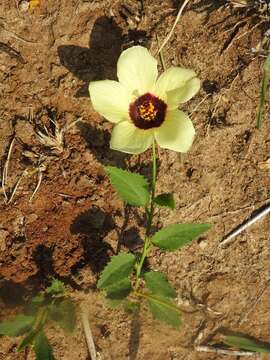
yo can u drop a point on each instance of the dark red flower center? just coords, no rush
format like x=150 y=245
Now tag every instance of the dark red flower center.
x=147 y=111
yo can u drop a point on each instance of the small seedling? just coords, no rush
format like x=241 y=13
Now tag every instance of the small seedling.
x=54 y=305
x=245 y=343
x=264 y=84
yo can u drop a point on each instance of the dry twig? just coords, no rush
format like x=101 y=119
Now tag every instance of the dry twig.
x=220 y=351
x=88 y=334
x=173 y=27
x=5 y=170
x=41 y=169
x=228 y=239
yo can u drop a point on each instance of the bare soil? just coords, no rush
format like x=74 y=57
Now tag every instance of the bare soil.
x=75 y=222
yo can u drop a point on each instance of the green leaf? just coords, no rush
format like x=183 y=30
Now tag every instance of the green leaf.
x=42 y=347
x=56 y=288
x=119 y=290
x=64 y=314
x=164 y=310
x=175 y=236
x=27 y=340
x=247 y=344
x=35 y=304
x=158 y=284
x=120 y=267
x=132 y=188
x=165 y=199
x=17 y=326
x=38 y=300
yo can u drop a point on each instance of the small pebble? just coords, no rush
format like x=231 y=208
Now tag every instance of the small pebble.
x=3 y=236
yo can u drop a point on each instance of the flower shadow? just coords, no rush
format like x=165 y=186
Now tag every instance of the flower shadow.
x=208 y=7
x=92 y=226
x=98 y=142
x=12 y=294
x=98 y=61
x=43 y=257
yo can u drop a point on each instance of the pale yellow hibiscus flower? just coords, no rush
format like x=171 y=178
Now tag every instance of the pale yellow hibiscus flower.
x=145 y=107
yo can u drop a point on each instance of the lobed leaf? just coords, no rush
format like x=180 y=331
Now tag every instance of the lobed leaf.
x=166 y=200
x=42 y=347
x=158 y=284
x=132 y=188
x=247 y=344
x=17 y=326
x=164 y=311
x=120 y=267
x=175 y=236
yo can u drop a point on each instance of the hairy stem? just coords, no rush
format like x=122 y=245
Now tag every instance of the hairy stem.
x=150 y=215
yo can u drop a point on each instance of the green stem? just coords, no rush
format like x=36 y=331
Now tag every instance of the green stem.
x=150 y=215
x=41 y=318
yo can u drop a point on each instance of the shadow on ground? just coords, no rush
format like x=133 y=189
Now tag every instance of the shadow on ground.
x=98 y=61
x=98 y=141
x=93 y=225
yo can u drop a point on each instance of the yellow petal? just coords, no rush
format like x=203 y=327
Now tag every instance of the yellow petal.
x=176 y=133
x=137 y=69
x=177 y=85
x=183 y=94
x=110 y=99
x=128 y=139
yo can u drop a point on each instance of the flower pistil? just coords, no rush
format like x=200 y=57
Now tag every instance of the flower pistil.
x=147 y=111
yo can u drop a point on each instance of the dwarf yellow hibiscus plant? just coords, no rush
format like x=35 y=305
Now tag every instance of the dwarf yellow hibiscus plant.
x=145 y=111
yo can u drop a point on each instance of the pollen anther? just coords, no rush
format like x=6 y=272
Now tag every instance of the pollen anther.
x=147 y=111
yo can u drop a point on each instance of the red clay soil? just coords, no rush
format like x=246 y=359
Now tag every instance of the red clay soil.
x=75 y=222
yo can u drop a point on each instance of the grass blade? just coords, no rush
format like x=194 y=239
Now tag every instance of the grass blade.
x=265 y=79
